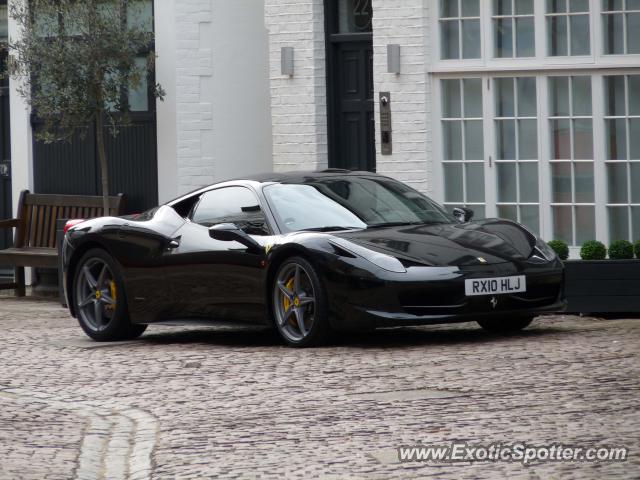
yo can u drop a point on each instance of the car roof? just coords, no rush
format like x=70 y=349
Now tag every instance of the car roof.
x=302 y=176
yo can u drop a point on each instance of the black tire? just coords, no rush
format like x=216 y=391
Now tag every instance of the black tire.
x=505 y=324
x=319 y=330
x=114 y=321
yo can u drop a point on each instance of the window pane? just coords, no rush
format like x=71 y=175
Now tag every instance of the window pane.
x=613 y=30
x=608 y=5
x=354 y=16
x=617 y=182
x=507 y=191
x=618 y=223
x=561 y=140
x=527 y=139
x=448 y=8
x=503 y=37
x=634 y=94
x=582 y=139
x=4 y=32
x=561 y=182
x=524 y=7
x=580 y=42
x=578 y=5
x=502 y=7
x=451 y=99
x=585 y=224
x=633 y=33
x=633 y=4
x=470 y=38
x=527 y=97
x=504 y=97
x=475 y=182
x=634 y=138
x=225 y=205
x=452 y=140
x=530 y=217
x=562 y=224
x=559 y=96
x=635 y=219
x=583 y=175
x=616 y=139
x=635 y=183
x=506 y=139
x=139 y=96
x=525 y=37
x=557 y=32
x=556 y=6
x=450 y=39
x=581 y=89
x=453 y=182
x=478 y=212
x=614 y=91
x=508 y=211
x=474 y=140
x=472 y=97
x=140 y=15
x=470 y=8
x=528 y=182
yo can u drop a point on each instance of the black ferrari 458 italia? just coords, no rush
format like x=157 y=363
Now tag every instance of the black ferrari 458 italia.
x=310 y=253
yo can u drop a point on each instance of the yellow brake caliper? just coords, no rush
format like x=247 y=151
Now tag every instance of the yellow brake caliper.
x=286 y=303
x=114 y=293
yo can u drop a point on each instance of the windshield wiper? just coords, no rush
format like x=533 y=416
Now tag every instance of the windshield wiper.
x=329 y=229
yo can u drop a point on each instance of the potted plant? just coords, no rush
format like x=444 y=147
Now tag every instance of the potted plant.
x=596 y=284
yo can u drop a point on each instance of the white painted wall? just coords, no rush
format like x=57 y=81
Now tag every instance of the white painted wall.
x=215 y=122
x=405 y=22
x=298 y=103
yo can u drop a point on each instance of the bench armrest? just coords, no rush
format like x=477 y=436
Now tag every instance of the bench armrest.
x=12 y=223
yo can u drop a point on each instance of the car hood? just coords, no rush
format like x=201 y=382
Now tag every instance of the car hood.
x=474 y=243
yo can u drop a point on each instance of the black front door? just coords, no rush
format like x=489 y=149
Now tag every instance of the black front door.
x=350 y=85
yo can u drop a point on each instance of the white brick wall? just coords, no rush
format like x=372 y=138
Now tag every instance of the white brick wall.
x=193 y=63
x=298 y=103
x=405 y=22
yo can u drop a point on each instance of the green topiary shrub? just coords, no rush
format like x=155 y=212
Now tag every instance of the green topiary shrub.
x=636 y=248
x=621 y=250
x=593 y=250
x=560 y=247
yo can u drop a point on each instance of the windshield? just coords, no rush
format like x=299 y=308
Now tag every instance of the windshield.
x=351 y=202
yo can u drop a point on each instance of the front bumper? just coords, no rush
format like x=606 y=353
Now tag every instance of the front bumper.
x=425 y=296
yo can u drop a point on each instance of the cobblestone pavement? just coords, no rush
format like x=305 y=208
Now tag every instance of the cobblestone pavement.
x=234 y=403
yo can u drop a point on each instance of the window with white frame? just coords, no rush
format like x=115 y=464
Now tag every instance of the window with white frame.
x=622 y=138
x=460 y=29
x=463 y=145
x=513 y=28
x=516 y=130
x=4 y=27
x=571 y=159
x=568 y=27
x=621 y=26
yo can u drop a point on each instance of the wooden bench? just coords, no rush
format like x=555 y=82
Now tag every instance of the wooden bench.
x=36 y=235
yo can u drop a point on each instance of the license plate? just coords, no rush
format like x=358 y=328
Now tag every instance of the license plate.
x=491 y=286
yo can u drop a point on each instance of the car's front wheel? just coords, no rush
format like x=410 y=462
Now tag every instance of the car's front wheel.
x=99 y=298
x=299 y=300
x=505 y=324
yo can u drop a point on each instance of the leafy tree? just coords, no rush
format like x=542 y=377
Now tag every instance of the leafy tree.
x=74 y=62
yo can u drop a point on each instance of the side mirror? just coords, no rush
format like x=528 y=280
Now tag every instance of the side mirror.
x=229 y=232
x=463 y=214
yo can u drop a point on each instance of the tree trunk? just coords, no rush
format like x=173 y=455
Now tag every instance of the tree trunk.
x=104 y=167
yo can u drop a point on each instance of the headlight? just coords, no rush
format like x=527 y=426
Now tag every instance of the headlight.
x=386 y=262
x=544 y=251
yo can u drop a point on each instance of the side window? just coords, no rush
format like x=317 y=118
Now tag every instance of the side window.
x=237 y=205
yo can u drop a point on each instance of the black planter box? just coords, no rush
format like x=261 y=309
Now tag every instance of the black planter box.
x=602 y=286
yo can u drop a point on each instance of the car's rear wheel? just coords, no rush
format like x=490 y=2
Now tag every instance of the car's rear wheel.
x=99 y=297
x=505 y=324
x=300 y=307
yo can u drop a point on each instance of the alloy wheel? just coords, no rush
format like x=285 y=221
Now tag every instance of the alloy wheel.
x=96 y=294
x=294 y=302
